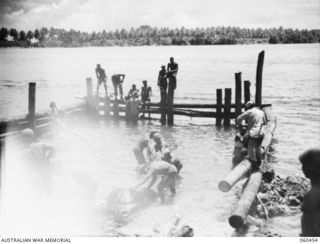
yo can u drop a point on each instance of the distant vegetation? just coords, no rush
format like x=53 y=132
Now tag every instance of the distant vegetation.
x=146 y=35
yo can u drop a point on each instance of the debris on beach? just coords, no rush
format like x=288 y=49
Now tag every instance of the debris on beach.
x=279 y=196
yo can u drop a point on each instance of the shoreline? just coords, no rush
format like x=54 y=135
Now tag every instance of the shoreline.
x=110 y=46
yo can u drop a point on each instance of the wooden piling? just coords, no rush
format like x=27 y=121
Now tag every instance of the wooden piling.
x=163 y=105
x=32 y=105
x=107 y=108
x=240 y=213
x=259 y=79
x=227 y=106
x=219 y=107
x=246 y=91
x=170 y=101
x=238 y=93
x=89 y=87
x=116 y=109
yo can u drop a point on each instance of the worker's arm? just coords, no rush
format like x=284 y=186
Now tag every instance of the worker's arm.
x=175 y=70
x=242 y=117
x=154 y=178
x=97 y=74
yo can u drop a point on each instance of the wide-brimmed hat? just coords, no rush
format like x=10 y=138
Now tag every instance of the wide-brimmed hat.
x=249 y=104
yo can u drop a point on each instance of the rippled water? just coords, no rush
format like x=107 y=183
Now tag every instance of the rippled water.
x=291 y=84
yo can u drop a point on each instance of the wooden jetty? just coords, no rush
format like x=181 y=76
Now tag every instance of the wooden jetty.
x=222 y=111
x=105 y=108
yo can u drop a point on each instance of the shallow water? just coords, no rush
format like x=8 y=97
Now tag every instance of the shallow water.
x=291 y=84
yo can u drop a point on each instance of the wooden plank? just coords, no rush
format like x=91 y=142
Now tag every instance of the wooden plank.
x=219 y=106
x=238 y=93
x=259 y=79
x=32 y=104
x=246 y=91
x=227 y=106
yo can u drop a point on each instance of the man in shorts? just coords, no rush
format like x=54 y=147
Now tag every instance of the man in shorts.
x=102 y=78
x=117 y=80
x=146 y=93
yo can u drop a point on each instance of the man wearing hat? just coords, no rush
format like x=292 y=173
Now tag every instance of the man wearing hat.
x=256 y=121
x=146 y=93
x=310 y=220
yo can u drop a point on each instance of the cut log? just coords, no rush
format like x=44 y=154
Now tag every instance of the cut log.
x=238 y=172
x=239 y=215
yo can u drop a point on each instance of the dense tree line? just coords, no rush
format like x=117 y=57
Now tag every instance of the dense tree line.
x=146 y=35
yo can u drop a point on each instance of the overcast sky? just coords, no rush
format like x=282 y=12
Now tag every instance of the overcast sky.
x=95 y=15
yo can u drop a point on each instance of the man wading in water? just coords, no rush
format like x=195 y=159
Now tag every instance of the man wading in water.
x=256 y=120
x=167 y=171
x=102 y=78
x=310 y=221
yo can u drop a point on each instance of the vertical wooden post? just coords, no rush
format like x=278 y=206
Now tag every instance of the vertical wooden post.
x=170 y=99
x=89 y=99
x=116 y=109
x=259 y=79
x=238 y=93
x=107 y=108
x=32 y=105
x=246 y=91
x=219 y=106
x=227 y=106
x=89 y=87
x=163 y=105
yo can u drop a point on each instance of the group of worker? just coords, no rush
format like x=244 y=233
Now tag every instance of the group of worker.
x=250 y=139
x=146 y=91
x=155 y=160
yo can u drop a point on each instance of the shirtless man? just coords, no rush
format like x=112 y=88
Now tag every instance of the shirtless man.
x=138 y=151
x=146 y=93
x=102 y=78
x=172 y=71
x=310 y=221
x=117 y=80
x=167 y=171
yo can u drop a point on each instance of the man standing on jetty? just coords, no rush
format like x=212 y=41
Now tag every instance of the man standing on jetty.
x=256 y=120
x=172 y=71
x=162 y=82
x=310 y=220
x=117 y=80
x=146 y=93
x=102 y=78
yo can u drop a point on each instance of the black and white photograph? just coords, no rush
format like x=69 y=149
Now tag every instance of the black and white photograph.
x=159 y=118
